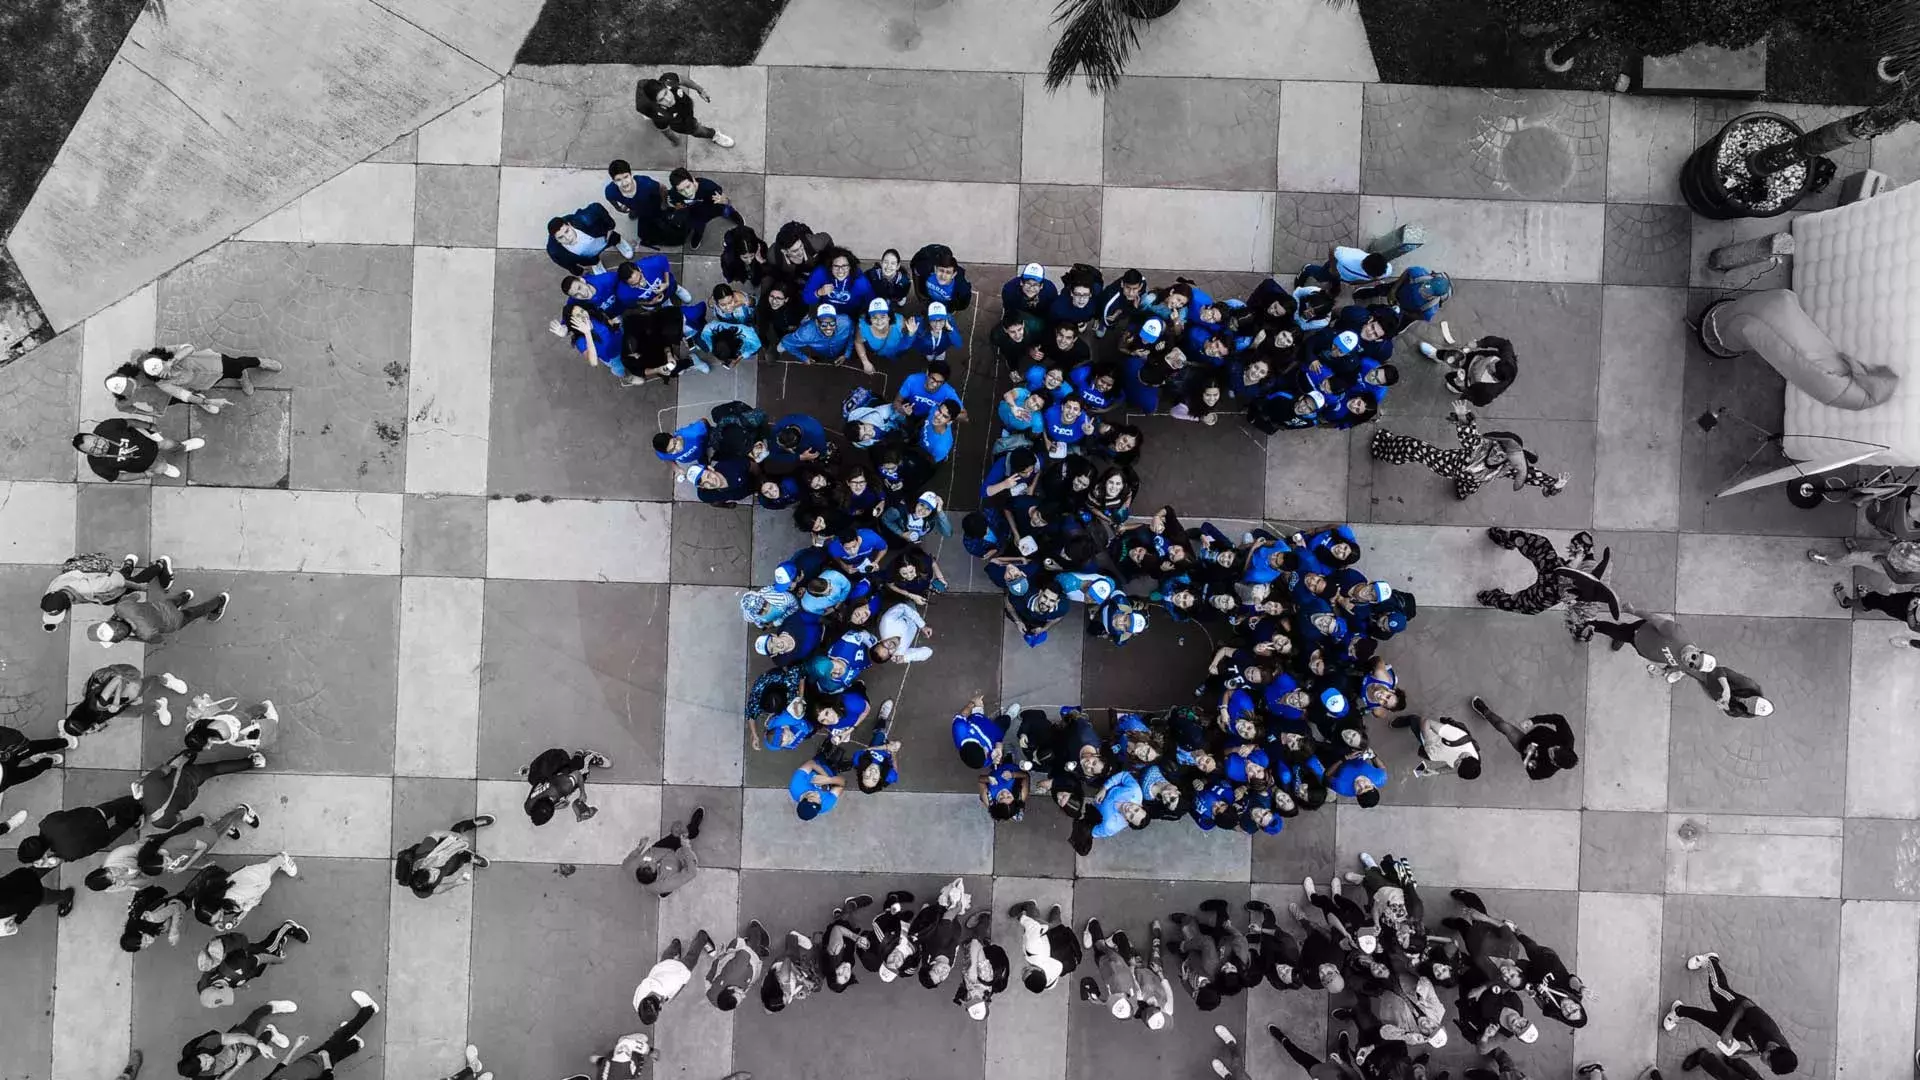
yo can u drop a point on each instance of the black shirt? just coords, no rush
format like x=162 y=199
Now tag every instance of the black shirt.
x=132 y=453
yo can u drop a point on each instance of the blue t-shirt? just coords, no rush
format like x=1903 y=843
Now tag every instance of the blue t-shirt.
x=921 y=400
x=802 y=782
x=938 y=444
x=976 y=728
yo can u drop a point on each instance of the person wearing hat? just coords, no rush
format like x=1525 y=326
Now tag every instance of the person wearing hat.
x=1418 y=293
x=187 y=373
x=921 y=391
x=95 y=579
x=1029 y=294
x=723 y=483
x=123 y=448
x=882 y=335
x=137 y=395
x=557 y=777
x=152 y=620
x=936 y=335
x=1478 y=459
x=1116 y=619
x=1733 y=693
x=825 y=338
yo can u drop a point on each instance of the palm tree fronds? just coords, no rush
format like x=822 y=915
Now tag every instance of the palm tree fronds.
x=1097 y=38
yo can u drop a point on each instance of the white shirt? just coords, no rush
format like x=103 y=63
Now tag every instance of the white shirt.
x=667 y=979
x=1033 y=941
x=1447 y=742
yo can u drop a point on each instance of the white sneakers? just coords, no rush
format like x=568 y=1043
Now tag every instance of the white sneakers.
x=626 y=249
x=283 y=1006
x=292 y=869
x=365 y=1000
x=190 y=445
x=1695 y=963
x=173 y=682
x=722 y=139
x=169 y=471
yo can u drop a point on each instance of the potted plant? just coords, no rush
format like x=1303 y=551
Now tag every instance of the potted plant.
x=1097 y=37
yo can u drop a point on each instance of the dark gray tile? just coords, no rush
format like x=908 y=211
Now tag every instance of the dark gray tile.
x=113 y=518
x=1623 y=852
x=1793 y=762
x=426 y=804
x=249 y=443
x=1519 y=670
x=1217 y=471
x=1037 y=846
x=966 y=658
x=1644 y=567
x=1880 y=858
x=590 y=659
x=1747 y=401
x=1550 y=917
x=924 y=1028
x=712 y=545
x=1559 y=357
x=1307 y=225
x=1059 y=225
x=455 y=205
x=343 y=903
x=443 y=536
x=1163 y=663
x=339 y=317
x=1303 y=849
x=1193 y=133
x=893 y=125
x=321 y=647
x=581 y=116
x=1486 y=144
x=558 y=427
x=574 y=939
x=719 y=841
x=27 y=994
x=1647 y=245
x=1411 y=494
x=1783 y=953
x=42 y=392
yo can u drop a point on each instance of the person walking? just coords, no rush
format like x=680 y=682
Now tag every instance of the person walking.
x=632 y=1057
x=1549 y=589
x=22 y=759
x=558 y=777
x=669 y=862
x=1544 y=742
x=1740 y=1027
x=793 y=975
x=1445 y=746
x=152 y=621
x=1658 y=639
x=1901 y=605
x=94 y=578
x=127 y=449
x=1478 y=460
x=1050 y=948
x=319 y=1063
x=667 y=978
x=190 y=842
x=220 y=1055
x=72 y=835
x=230 y=961
x=167 y=790
x=665 y=100
x=445 y=860
x=24 y=890
x=1113 y=985
x=473 y=1069
x=240 y=891
x=737 y=967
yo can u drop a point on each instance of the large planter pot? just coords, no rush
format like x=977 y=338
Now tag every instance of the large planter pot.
x=1149 y=9
x=1715 y=182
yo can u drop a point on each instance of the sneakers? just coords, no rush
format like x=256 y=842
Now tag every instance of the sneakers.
x=173 y=682
x=365 y=1000
x=481 y=862
x=1368 y=861
x=581 y=811
x=283 y=1006
x=1557 y=485
x=269 y=364
x=186 y=597
x=722 y=140
x=1427 y=350
x=190 y=445
x=66 y=905
x=1815 y=556
x=272 y=1034
x=1225 y=1035
x=18 y=819
x=473 y=1058
x=297 y=932
x=1695 y=963
x=1842 y=596
x=1480 y=707
x=856 y=902
x=598 y=760
x=1672 y=1019
x=257 y=760
x=1676 y=675
x=626 y=249
x=291 y=868
x=172 y=472
x=128 y=562
x=356 y=1043
x=1306 y=886
x=886 y=711
x=220 y=607
x=693 y=823
x=250 y=817
x=1220 y=1069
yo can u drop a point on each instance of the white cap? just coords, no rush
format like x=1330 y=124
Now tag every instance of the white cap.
x=1034 y=272
x=153 y=366
x=1438 y=1039
x=825 y=311
x=977 y=1010
x=118 y=384
x=1707 y=662
x=936 y=310
x=929 y=499
x=875 y=306
x=1156 y=1020
x=694 y=473
x=1121 y=1008
x=1532 y=1034
x=1135 y=623
x=101 y=632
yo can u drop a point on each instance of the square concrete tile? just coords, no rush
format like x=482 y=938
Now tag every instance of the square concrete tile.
x=1640 y=418
x=1549 y=917
x=1216 y=471
x=719 y=841
x=369 y=203
x=1497 y=239
x=1521 y=667
x=444 y=536
x=577 y=940
x=1062 y=133
x=1307 y=476
x=1303 y=849
x=28 y=995
x=1559 y=357
x=739 y=108
x=1308 y=225
x=925 y=1028
x=1202 y=230
x=557 y=427
x=1320 y=129
x=1197 y=133
x=320 y=646
x=343 y=903
x=1036 y=846
x=113 y=517
x=893 y=125
x=1782 y=953
x=966 y=657
x=1650 y=138
x=1486 y=144
x=1411 y=494
x=1881 y=859
x=1792 y=762
x=249 y=443
x=422 y=805
x=747 y=193
x=1647 y=245
x=42 y=392
x=1644 y=567
x=468 y=133
x=712 y=545
x=902 y=213
x=1169 y=654
x=1059 y=225
x=580 y=115
x=338 y=317
x=455 y=205
x=589 y=658
x=1622 y=851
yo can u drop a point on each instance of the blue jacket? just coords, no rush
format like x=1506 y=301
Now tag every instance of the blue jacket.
x=591 y=220
x=813 y=437
x=749 y=337
x=1012 y=299
x=978 y=729
x=848 y=297
x=1064 y=310
x=923 y=338
x=809 y=344
x=694 y=450
x=1081 y=379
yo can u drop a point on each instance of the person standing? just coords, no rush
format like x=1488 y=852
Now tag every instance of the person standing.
x=1051 y=949
x=151 y=621
x=665 y=101
x=24 y=890
x=1445 y=746
x=1740 y=1027
x=737 y=967
x=1548 y=588
x=125 y=449
x=319 y=1064
x=95 y=579
x=215 y=1055
x=1544 y=742
x=241 y=892
x=185 y=846
x=668 y=977
x=1733 y=693
x=669 y=862
x=632 y=1057
x=444 y=860
x=22 y=759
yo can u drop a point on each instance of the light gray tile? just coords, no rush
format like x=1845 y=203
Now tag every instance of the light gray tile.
x=36 y=521
x=1499 y=241
x=1753 y=575
x=1181 y=854
x=370 y=203
x=1622 y=852
x=112 y=337
x=1753 y=856
x=429 y=971
x=1061 y=133
x=437 y=713
x=449 y=397
x=706 y=668
x=93 y=997
x=1048 y=674
x=1882 y=860
x=1236 y=40
x=702 y=1039
x=627 y=812
x=578 y=540
x=1470 y=847
x=529 y=197
x=1200 y=230
x=1619 y=961
x=1002 y=35
x=456 y=205
x=1027 y=1035
x=1642 y=371
x=1624 y=758
x=738 y=108
x=1879 y=952
x=895 y=832
x=319 y=532
x=1445 y=565
x=1883 y=744
x=1485 y=144
x=903 y=214
x=1320 y=136
x=303 y=814
x=1649 y=138
x=468 y=133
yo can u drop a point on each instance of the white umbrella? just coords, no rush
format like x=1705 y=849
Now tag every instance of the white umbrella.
x=1798 y=469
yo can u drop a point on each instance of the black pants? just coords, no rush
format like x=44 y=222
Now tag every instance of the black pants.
x=1890 y=604
x=684 y=122
x=1722 y=1068
x=191 y=613
x=154 y=571
x=338 y=1047
x=165 y=806
x=232 y=366
x=16 y=773
x=1725 y=1001
x=1620 y=632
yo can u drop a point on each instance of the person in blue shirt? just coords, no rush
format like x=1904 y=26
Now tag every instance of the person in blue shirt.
x=1097 y=386
x=936 y=335
x=825 y=338
x=1418 y=293
x=1021 y=413
x=882 y=335
x=575 y=241
x=937 y=434
x=1328 y=549
x=940 y=278
x=975 y=734
x=1029 y=293
x=684 y=446
x=649 y=283
x=701 y=200
x=1067 y=425
x=1313 y=308
x=722 y=483
x=1003 y=791
x=1359 y=776
x=1175 y=304
x=835 y=670
x=1213 y=807
x=644 y=201
x=797 y=438
x=920 y=392
x=598 y=288
x=858 y=550
x=729 y=343
x=875 y=768
x=814 y=790
x=838 y=281
x=599 y=340
x=1123 y=805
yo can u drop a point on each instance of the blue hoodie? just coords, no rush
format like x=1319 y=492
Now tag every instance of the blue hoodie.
x=924 y=343
x=694 y=448
x=848 y=297
x=1121 y=787
x=749 y=338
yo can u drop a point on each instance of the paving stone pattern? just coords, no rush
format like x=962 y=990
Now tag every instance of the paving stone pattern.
x=449 y=547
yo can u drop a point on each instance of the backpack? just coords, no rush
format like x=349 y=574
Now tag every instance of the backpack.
x=93 y=562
